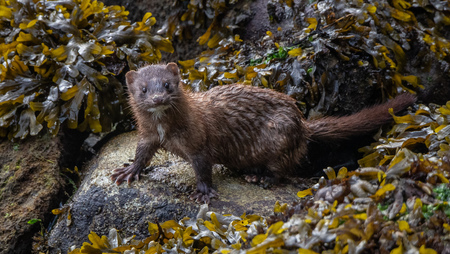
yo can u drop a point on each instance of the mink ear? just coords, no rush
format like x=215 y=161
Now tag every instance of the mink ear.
x=130 y=77
x=173 y=67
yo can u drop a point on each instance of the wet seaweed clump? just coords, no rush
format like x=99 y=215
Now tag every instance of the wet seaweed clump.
x=398 y=203
x=60 y=62
x=419 y=141
x=187 y=15
x=368 y=49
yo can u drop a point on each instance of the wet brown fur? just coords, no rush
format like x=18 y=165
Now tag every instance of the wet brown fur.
x=236 y=125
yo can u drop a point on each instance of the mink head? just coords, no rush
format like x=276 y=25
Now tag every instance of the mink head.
x=155 y=87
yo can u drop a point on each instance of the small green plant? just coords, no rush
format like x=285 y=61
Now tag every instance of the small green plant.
x=34 y=221
x=281 y=53
x=442 y=192
x=382 y=207
x=254 y=62
x=430 y=210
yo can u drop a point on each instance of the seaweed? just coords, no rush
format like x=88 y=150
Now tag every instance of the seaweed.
x=397 y=202
x=398 y=205
x=378 y=42
x=198 y=13
x=421 y=136
x=61 y=60
x=315 y=224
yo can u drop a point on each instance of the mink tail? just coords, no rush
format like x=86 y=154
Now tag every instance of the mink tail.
x=333 y=129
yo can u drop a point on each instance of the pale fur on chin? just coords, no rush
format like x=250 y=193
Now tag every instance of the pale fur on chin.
x=158 y=112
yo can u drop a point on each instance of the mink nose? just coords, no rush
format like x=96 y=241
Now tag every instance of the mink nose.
x=158 y=99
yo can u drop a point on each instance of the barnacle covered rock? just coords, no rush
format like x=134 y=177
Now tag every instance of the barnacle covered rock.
x=60 y=63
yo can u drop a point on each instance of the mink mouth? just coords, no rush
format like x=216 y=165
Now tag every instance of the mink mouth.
x=158 y=108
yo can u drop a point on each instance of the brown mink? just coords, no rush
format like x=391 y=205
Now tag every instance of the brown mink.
x=239 y=126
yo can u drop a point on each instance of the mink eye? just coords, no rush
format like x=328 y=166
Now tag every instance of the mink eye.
x=166 y=85
x=144 y=89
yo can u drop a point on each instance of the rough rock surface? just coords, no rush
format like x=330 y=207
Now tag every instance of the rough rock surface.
x=30 y=186
x=161 y=194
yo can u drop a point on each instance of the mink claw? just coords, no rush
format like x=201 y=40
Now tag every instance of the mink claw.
x=116 y=181
x=252 y=178
x=131 y=177
x=205 y=198
x=128 y=174
x=117 y=178
x=197 y=197
x=213 y=193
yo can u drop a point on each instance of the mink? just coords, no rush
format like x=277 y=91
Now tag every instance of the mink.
x=239 y=126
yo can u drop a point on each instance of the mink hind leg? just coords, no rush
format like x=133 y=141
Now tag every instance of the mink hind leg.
x=203 y=175
x=281 y=169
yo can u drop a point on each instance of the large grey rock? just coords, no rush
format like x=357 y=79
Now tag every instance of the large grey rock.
x=161 y=194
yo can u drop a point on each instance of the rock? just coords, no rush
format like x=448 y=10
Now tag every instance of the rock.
x=161 y=194
x=30 y=186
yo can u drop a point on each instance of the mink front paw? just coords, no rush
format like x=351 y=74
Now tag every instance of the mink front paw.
x=128 y=174
x=203 y=197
